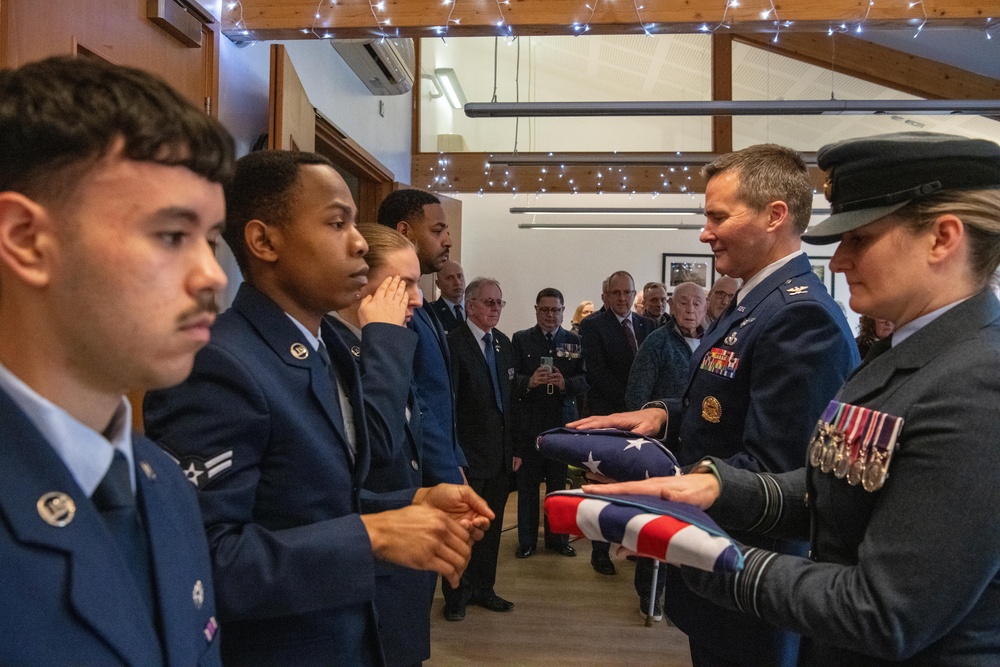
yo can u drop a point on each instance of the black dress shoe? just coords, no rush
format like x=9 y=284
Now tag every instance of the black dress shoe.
x=563 y=550
x=524 y=552
x=602 y=565
x=454 y=612
x=493 y=602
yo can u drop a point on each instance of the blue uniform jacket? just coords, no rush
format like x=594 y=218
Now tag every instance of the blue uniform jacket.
x=402 y=596
x=68 y=596
x=432 y=374
x=258 y=426
x=758 y=382
x=445 y=315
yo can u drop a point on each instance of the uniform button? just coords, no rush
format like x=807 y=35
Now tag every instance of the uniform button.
x=805 y=499
x=414 y=464
x=687 y=402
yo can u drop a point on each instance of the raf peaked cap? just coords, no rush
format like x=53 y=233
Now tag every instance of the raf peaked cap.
x=871 y=177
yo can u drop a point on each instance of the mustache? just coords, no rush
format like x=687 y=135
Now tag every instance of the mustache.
x=205 y=304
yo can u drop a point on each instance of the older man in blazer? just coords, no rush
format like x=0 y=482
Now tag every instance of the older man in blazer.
x=611 y=339
x=450 y=308
x=483 y=364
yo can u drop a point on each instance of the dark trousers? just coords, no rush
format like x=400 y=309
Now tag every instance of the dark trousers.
x=481 y=574
x=534 y=469
x=644 y=578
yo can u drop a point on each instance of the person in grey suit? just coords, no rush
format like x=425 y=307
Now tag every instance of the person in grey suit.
x=902 y=485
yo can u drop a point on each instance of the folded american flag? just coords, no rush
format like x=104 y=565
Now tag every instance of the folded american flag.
x=620 y=455
x=676 y=533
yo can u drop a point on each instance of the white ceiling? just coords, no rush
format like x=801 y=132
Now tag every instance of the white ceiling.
x=667 y=67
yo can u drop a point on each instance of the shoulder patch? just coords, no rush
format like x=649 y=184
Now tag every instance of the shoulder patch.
x=200 y=471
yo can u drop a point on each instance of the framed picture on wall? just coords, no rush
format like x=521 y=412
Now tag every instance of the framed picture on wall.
x=821 y=267
x=679 y=268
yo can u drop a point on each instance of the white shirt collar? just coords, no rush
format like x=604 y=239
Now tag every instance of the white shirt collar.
x=313 y=338
x=764 y=273
x=452 y=304
x=84 y=451
x=477 y=332
x=622 y=319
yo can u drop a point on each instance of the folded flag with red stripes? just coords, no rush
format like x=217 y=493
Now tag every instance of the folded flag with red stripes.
x=672 y=532
x=621 y=455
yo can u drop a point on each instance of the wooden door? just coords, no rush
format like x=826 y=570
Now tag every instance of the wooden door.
x=291 y=117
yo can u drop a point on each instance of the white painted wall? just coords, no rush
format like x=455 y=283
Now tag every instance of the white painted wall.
x=575 y=262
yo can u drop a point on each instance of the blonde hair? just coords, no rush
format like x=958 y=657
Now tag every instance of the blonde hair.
x=979 y=211
x=382 y=241
x=578 y=313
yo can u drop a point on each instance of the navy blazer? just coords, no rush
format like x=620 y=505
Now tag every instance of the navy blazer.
x=432 y=374
x=68 y=596
x=609 y=359
x=536 y=410
x=483 y=430
x=259 y=422
x=446 y=315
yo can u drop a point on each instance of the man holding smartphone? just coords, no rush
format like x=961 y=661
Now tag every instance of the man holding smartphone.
x=548 y=376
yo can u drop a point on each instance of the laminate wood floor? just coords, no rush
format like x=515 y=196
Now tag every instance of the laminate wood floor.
x=564 y=614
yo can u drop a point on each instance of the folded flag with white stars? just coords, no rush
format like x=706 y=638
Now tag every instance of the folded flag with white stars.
x=672 y=532
x=621 y=455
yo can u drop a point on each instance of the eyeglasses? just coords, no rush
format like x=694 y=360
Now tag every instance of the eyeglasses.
x=548 y=311
x=491 y=303
x=617 y=294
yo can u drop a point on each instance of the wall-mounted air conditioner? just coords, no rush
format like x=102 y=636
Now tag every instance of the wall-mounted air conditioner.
x=384 y=65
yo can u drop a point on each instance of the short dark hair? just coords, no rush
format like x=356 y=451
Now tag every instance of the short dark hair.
x=768 y=173
x=263 y=188
x=550 y=292
x=61 y=115
x=404 y=205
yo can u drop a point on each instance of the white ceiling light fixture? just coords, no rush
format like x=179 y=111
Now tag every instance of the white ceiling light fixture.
x=451 y=87
x=732 y=108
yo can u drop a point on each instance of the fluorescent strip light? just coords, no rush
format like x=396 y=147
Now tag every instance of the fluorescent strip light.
x=732 y=108
x=605 y=227
x=596 y=210
x=451 y=87
x=541 y=210
x=610 y=159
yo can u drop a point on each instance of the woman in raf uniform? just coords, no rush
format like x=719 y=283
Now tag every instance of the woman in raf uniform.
x=901 y=491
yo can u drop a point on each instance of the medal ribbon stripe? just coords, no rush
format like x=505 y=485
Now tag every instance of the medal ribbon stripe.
x=720 y=362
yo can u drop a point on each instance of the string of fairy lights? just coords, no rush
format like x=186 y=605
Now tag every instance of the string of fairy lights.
x=608 y=179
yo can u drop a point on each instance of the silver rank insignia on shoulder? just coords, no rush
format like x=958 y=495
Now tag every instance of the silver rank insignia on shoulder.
x=56 y=509
x=299 y=351
x=795 y=291
x=198 y=594
x=200 y=472
x=730 y=339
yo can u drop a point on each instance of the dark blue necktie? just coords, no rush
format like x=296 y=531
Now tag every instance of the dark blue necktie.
x=324 y=354
x=491 y=362
x=458 y=312
x=116 y=503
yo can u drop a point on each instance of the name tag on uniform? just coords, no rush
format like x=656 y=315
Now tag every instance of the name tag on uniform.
x=721 y=362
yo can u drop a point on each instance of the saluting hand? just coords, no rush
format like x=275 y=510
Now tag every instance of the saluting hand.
x=387 y=304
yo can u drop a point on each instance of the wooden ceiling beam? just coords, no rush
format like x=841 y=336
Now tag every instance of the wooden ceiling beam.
x=296 y=19
x=468 y=172
x=881 y=65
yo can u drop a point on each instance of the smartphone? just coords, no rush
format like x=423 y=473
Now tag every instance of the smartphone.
x=547 y=362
